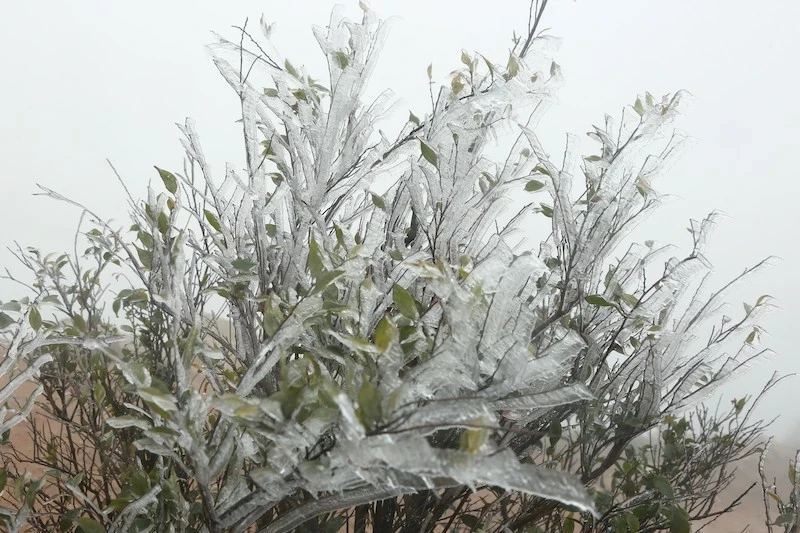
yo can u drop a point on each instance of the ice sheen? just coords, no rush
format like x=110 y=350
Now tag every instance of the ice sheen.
x=495 y=334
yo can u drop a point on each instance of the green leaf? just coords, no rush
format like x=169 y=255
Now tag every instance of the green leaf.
x=3 y=479
x=243 y=265
x=385 y=332
x=539 y=169
x=88 y=525
x=533 y=185
x=662 y=485
x=162 y=403
x=35 y=319
x=79 y=322
x=428 y=153
x=638 y=107
x=13 y=305
x=140 y=483
x=300 y=94
x=466 y=59
x=488 y=65
x=316 y=263
x=457 y=84
x=325 y=279
x=784 y=519
x=555 y=432
x=163 y=223
x=6 y=320
x=272 y=93
x=369 y=403
x=290 y=69
x=633 y=522
x=145 y=257
x=598 y=300
x=268 y=151
x=170 y=182
x=342 y=59
x=430 y=71
x=413 y=118
x=378 y=201
x=126 y=421
x=146 y=239
x=512 y=68
x=679 y=522
x=546 y=210
x=738 y=405
x=335 y=524
x=473 y=439
x=643 y=186
x=471 y=521
x=775 y=497
x=404 y=301
x=339 y=235
x=98 y=394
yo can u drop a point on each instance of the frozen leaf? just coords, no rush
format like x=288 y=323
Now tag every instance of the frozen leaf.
x=473 y=439
x=385 y=333
x=6 y=320
x=212 y=220
x=243 y=265
x=34 y=318
x=120 y=422
x=342 y=59
x=533 y=185
x=378 y=201
x=369 y=404
x=638 y=107
x=457 y=84
x=170 y=182
x=316 y=263
x=512 y=68
x=428 y=153
x=325 y=279
x=598 y=300
x=404 y=301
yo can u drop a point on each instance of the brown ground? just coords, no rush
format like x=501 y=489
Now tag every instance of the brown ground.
x=751 y=510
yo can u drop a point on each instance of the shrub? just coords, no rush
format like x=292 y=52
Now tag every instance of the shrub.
x=395 y=362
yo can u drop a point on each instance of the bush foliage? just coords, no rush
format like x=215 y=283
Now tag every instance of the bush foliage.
x=346 y=333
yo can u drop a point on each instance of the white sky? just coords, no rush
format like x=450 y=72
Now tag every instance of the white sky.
x=90 y=80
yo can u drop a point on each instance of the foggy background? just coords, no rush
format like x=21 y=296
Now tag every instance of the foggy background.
x=85 y=81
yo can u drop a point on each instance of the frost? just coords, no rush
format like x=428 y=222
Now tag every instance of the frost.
x=386 y=336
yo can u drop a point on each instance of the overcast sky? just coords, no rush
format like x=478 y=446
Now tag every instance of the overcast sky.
x=91 y=80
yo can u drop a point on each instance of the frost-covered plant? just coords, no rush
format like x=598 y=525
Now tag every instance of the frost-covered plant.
x=787 y=512
x=391 y=350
